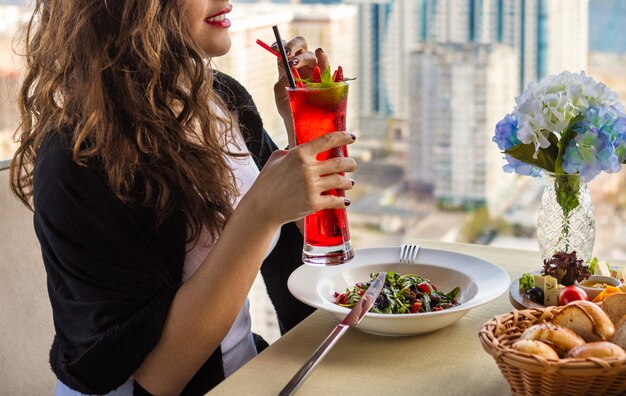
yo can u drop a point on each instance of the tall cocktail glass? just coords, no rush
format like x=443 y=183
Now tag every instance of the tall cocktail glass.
x=316 y=112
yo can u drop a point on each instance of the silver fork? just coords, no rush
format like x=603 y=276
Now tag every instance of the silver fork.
x=408 y=253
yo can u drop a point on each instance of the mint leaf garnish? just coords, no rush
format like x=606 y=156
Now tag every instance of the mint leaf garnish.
x=327 y=78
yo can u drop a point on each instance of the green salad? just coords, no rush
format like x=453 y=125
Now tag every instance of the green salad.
x=401 y=294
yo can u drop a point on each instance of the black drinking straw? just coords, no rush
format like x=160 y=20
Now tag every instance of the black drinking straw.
x=283 y=56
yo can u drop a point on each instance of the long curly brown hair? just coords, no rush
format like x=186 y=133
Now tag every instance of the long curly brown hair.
x=125 y=77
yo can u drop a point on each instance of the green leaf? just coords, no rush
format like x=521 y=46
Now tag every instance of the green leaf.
x=453 y=292
x=563 y=143
x=425 y=302
x=592 y=265
x=327 y=77
x=566 y=137
x=526 y=282
x=567 y=188
x=546 y=157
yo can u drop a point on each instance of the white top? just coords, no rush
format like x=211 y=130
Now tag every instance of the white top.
x=238 y=345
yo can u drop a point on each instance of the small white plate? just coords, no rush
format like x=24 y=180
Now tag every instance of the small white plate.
x=480 y=282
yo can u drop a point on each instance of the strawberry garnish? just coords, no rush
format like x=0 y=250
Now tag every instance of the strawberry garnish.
x=316 y=77
x=338 y=75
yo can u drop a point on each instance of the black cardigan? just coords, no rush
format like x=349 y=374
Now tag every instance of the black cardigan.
x=112 y=273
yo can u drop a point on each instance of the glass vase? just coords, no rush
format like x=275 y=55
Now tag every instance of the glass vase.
x=566 y=220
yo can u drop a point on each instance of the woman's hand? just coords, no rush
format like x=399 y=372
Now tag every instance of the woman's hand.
x=291 y=184
x=304 y=61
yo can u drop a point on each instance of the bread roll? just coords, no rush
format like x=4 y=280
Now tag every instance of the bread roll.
x=615 y=307
x=577 y=320
x=603 y=327
x=619 y=338
x=537 y=348
x=560 y=338
x=600 y=349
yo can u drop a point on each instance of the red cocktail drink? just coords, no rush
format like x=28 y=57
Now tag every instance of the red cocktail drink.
x=316 y=112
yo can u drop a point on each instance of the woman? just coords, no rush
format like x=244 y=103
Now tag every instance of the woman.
x=142 y=167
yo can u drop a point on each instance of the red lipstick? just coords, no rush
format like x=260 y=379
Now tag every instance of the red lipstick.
x=218 y=20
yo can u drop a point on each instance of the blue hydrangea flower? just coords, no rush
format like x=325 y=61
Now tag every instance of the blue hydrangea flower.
x=546 y=110
x=506 y=138
x=582 y=158
x=599 y=144
x=521 y=167
x=506 y=133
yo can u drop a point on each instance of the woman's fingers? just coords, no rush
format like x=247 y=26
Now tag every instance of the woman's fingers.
x=293 y=47
x=327 y=142
x=332 y=202
x=304 y=59
x=335 y=165
x=334 y=182
x=322 y=59
x=296 y=45
x=275 y=48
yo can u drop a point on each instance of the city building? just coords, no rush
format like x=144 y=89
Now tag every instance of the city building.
x=549 y=35
x=458 y=92
x=386 y=32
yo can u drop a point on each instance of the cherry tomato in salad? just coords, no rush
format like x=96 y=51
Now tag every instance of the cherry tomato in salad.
x=423 y=286
x=340 y=298
x=572 y=293
x=416 y=306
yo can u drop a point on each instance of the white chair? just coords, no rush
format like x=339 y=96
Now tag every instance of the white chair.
x=26 y=329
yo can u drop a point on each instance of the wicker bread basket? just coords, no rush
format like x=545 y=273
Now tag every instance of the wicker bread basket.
x=533 y=375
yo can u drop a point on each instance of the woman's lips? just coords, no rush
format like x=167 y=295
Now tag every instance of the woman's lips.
x=219 y=19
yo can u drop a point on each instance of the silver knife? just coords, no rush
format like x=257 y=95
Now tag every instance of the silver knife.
x=352 y=319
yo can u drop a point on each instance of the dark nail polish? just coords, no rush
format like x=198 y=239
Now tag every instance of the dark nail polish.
x=352 y=181
x=287 y=51
x=346 y=202
x=320 y=50
x=353 y=136
x=294 y=62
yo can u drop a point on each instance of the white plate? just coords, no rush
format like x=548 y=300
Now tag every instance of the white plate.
x=480 y=282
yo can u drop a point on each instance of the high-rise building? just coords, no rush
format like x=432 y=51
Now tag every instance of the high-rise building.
x=455 y=104
x=386 y=32
x=549 y=35
x=458 y=92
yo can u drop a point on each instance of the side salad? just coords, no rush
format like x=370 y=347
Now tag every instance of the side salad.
x=401 y=294
x=557 y=284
